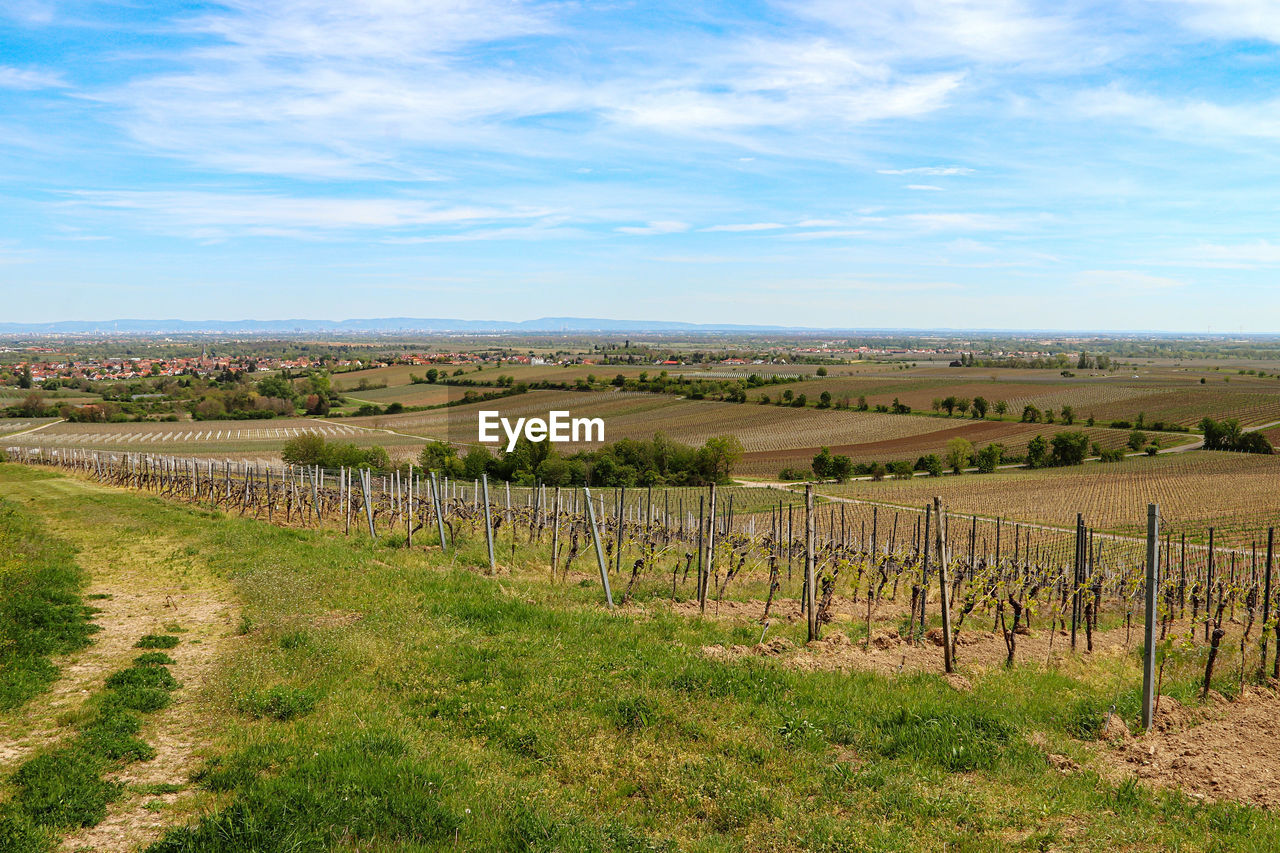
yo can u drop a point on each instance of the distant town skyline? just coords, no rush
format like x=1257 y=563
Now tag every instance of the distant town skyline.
x=981 y=164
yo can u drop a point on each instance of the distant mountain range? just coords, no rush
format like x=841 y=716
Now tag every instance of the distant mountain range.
x=543 y=325
x=384 y=325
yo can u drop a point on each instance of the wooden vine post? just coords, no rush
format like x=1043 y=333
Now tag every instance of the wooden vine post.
x=810 y=610
x=595 y=537
x=1149 y=649
x=945 y=604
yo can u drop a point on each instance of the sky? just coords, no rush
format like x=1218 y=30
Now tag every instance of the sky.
x=828 y=163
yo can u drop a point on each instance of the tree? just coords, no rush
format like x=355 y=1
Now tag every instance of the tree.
x=931 y=463
x=1228 y=435
x=317 y=404
x=277 y=386
x=862 y=403
x=432 y=375
x=305 y=449
x=25 y=380
x=901 y=469
x=962 y=405
x=841 y=468
x=822 y=464
x=1030 y=414
x=1001 y=408
x=949 y=403
x=980 y=406
x=799 y=402
x=1068 y=415
x=959 y=452
x=988 y=458
x=824 y=400
x=1070 y=447
x=476 y=462
x=436 y=455
x=1038 y=452
x=822 y=371
x=877 y=471
x=32 y=406
x=1137 y=439
x=720 y=454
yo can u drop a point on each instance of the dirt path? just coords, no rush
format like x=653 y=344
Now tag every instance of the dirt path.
x=155 y=584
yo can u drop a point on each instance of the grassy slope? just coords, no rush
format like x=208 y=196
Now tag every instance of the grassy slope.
x=41 y=614
x=454 y=709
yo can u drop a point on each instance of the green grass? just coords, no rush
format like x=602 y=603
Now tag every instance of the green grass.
x=471 y=712
x=66 y=787
x=41 y=612
x=156 y=641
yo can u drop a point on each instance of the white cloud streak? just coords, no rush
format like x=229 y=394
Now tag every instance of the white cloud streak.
x=29 y=78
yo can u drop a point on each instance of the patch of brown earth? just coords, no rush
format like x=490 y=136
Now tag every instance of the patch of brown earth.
x=1220 y=751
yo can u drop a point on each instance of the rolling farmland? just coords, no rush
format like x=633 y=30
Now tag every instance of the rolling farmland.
x=1235 y=493
x=256 y=439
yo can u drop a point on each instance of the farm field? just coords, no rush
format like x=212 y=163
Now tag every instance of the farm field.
x=258 y=439
x=1014 y=436
x=773 y=437
x=13 y=396
x=1235 y=493
x=640 y=415
x=9 y=426
x=411 y=395
x=431 y=704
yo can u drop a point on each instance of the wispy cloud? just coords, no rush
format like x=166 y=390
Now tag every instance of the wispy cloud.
x=29 y=78
x=928 y=170
x=1122 y=281
x=659 y=227
x=1248 y=19
x=749 y=226
x=208 y=214
x=1189 y=119
x=924 y=187
x=1244 y=256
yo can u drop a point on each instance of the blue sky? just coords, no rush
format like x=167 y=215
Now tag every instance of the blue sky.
x=904 y=163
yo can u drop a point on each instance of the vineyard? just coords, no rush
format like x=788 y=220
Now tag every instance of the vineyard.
x=871 y=567
x=256 y=439
x=921 y=642
x=1196 y=490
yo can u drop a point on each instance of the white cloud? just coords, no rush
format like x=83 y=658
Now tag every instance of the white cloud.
x=658 y=227
x=1259 y=254
x=1193 y=120
x=929 y=187
x=749 y=226
x=928 y=170
x=1235 y=19
x=959 y=221
x=1120 y=281
x=216 y=215
x=29 y=78
x=981 y=31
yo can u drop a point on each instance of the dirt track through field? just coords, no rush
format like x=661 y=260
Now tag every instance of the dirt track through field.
x=155 y=586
